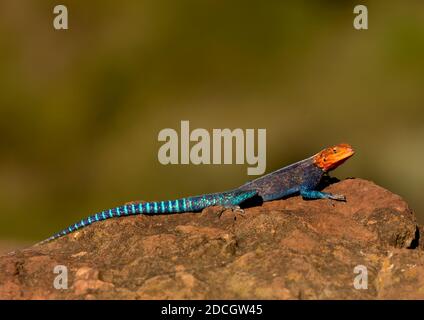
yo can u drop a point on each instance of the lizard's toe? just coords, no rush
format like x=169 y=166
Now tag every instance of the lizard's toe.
x=237 y=209
x=338 y=197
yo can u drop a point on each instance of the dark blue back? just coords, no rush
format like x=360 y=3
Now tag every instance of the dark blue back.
x=286 y=181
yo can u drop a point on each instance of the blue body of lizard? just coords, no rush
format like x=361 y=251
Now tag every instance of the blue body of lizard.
x=299 y=178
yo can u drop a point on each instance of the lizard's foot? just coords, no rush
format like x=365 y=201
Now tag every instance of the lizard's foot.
x=234 y=209
x=338 y=197
x=237 y=211
x=313 y=194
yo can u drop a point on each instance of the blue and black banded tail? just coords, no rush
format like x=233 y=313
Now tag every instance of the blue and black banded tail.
x=228 y=199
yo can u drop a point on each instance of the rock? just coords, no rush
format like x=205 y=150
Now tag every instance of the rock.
x=286 y=249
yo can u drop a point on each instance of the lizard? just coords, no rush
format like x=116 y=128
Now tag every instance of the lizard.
x=301 y=178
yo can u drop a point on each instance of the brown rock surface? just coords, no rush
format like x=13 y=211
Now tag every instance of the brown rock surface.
x=286 y=249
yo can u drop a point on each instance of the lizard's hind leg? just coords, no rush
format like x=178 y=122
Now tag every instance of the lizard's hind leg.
x=235 y=198
x=231 y=200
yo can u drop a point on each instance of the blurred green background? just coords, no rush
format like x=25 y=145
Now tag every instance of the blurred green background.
x=80 y=110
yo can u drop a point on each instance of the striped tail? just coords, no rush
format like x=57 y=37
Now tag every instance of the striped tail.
x=190 y=204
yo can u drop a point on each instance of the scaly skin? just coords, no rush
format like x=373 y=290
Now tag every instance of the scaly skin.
x=299 y=178
x=230 y=199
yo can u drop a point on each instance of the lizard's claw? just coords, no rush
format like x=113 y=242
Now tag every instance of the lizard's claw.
x=338 y=197
x=237 y=209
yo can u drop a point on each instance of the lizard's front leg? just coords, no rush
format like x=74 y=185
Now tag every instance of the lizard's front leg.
x=314 y=194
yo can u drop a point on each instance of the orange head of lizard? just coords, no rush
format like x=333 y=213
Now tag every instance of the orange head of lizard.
x=330 y=158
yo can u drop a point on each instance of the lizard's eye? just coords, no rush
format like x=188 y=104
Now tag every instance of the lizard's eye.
x=325 y=159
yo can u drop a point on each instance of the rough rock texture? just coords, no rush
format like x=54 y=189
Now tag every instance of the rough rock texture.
x=287 y=249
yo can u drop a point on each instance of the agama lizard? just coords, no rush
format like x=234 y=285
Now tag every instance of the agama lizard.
x=301 y=178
